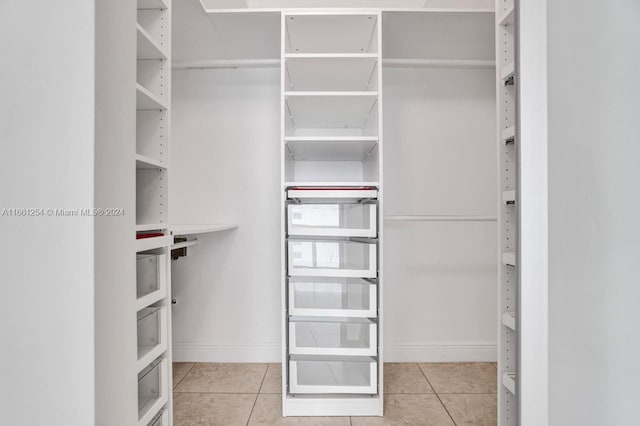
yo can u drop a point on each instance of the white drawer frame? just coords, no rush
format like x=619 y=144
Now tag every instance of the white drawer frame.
x=162 y=399
x=372 y=272
x=332 y=194
x=372 y=350
x=372 y=312
x=370 y=232
x=296 y=388
x=161 y=292
x=161 y=347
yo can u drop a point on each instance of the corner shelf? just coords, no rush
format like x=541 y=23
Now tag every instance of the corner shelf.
x=147 y=47
x=509 y=382
x=509 y=320
x=145 y=100
x=184 y=230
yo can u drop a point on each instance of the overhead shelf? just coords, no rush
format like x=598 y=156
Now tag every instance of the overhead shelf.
x=347 y=32
x=331 y=71
x=145 y=100
x=147 y=47
x=143 y=162
x=508 y=18
x=509 y=382
x=335 y=110
x=508 y=73
x=509 y=197
x=509 y=134
x=152 y=4
x=328 y=148
x=509 y=320
x=509 y=258
x=183 y=230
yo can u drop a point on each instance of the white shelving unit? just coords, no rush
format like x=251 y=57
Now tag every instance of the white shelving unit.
x=331 y=200
x=153 y=276
x=508 y=227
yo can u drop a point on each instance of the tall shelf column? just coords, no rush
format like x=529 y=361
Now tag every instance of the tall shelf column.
x=153 y=235
x=508 y=227
x=331 y=150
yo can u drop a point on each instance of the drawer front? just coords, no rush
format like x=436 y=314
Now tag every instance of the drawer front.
x=332 y=297
x=151 y=278
x=333 y=377
x=332 y=259
x=332 y=338
x=152 y=332
x=332 y=220
x=153 y=383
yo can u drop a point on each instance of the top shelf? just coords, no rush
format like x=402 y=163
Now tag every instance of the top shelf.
x=331 y=33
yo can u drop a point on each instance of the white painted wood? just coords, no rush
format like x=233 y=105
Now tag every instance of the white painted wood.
x=145 y=244
x=509 y=197
x=151 y=227
x=437 y=63
x=508 y=71
x=147 y=46
x=507 y=18
x=185 y=230
x=145 y=100
x=334 y=110
x=143 y=162
x=509 y=320
x=331 y=148
x=307 y=194
x=331 y=72
x=509 y=382
x=323 y=406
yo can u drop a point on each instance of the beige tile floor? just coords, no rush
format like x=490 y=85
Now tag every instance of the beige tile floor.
x=415 y=394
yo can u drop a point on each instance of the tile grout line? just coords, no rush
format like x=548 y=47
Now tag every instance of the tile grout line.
x=266 y=370
x=175 y=385
x=436 y=394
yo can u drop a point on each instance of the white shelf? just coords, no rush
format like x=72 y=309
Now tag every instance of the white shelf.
x=151 y=226
x=352 y=32
x=508 y=71
x=509 y=197
x=143 y=162
x=509 y=320
x=509 y=134
x=330 y=184
x=509 y=382
x=439 y=63
x=331 y=71
x=509 y=258
x=152 y=4
x=184 y=230
x=327 y=148
x=145 y=244
x=145 y=100
x=508 y=18
x=333 y=110
x=147 y=47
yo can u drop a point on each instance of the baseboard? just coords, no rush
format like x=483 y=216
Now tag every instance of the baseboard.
x=437 y=352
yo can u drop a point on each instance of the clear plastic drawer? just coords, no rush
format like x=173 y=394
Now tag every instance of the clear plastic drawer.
x=350 y=337
x=334 y=220
x=150 y=278
x=333 y=377
x=332 y=259
x=332 y=297
x=152 y=334
x=152 y=390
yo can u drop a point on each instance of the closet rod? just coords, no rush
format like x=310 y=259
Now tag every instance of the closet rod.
x=439 y=218
x=226 y=64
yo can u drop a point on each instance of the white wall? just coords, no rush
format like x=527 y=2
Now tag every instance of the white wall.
x=46 y=262
x=594 y=206
x=115 y=294
x=225 y=168
x=440 y=159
